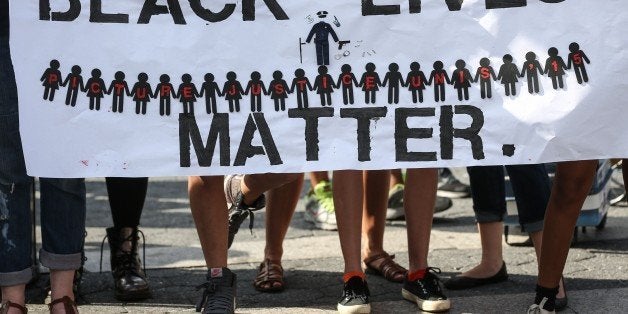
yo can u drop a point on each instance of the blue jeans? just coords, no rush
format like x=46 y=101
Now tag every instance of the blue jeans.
x=530 y=184
x=62 y=200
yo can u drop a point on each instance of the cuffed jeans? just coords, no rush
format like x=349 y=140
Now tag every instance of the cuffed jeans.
x=62 y=200
x=531 y=187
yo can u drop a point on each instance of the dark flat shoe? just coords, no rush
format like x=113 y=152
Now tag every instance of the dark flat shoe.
x=463 y=282
x=561 y=303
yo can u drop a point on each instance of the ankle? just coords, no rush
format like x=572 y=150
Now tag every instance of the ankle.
x=352 y=274
x=547 y=296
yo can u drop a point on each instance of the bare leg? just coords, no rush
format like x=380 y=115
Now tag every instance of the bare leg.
x=419 y=198
x=281 y=203
x=572 y=183
x=537 y=240
x=317 y=177
x=375 y=204
x=348 y=196
x=256 y=184
x=61 y=284
x=14 y=294
x=209 y=210
x=492 y=258
x=395 y=177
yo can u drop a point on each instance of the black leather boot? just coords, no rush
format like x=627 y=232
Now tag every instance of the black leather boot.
x=128 y=275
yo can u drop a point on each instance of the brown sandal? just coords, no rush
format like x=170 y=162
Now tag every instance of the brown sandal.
x=6 y=305
x=387 y=268
x=269 y=274
x=69 y=305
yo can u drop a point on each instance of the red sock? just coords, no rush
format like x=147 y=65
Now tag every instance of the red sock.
x=416 y=275
x=352 y=274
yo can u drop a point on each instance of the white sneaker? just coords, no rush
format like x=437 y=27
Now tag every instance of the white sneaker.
x=319 y=208
x=538 y=308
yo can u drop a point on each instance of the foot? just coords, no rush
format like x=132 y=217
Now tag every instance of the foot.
x=478 y=276
x=426 y=292
x=269 y=277
x=383 y=264
x=238 y=210
x=540 y=308
x=219 y=294
x=355 y=297
x=9 y=307
x=319 y=208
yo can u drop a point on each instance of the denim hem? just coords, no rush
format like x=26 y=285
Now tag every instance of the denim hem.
x=531 y=227
x=60 y=261
x=15 y=278
x=488 y=216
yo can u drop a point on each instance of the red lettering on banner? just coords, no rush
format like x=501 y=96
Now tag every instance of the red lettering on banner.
x=439 y=78
x=95 y=87
x=461 y=77
x=531 y=66
x=74 y=82
x=52 y=78
x=187 y=92
x=141 y=93
x=279 y=88
x=577 y=59
x=165 y=90
x=416 y=81
x=485 y=73
x=256 y=90
x=119 y=87
x=555 y=66
x=302 y=84
x=370 y=82
x=324 y=82
x=346 y=79
x=232 y=90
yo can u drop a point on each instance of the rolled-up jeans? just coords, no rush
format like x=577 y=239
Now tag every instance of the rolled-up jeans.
x=62 y=200
x=530 y=184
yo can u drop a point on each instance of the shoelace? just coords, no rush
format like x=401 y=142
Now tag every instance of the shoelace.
x=128 y=257
x=211 y=304
x=242 y=212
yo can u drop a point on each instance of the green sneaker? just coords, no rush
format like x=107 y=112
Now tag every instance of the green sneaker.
x=319 y=208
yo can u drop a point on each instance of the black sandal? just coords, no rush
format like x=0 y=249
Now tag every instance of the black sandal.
x=69 y=305
x=6 y=305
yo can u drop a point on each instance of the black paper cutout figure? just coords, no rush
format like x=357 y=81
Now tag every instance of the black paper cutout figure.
x=416 y=82
x=484 y=74
x=278 y=90
x=370 y=83
x=393 y=79
x=210 y=89
x=233 y=92
x=577 y=57
x=165 y=91
x=76 y=85
x=324 y=85
x=187 y=94
x=51 y=80
x=508 y=74
x=555 y=68
x=301 y=84
x=532 y=68
x=142 y=93
x=321 y=31
x=461 y=79
x=119 y=88
x=256 y=89
x=346 y=81
x=439 y=77
x=95 y=88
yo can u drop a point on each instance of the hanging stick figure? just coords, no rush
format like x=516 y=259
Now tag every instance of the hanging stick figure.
x=532 y=68
x=324 y=85
x=346 y=80
x=142 y=93
x=51 y=79
x=461 y=79
x=233 y=92
x=210 y=89
x=301 y=84
x=440 y=78
x=416 y=82
x=578 y=58
x=508 y=74
x=278 y=90
x=165 y=91
x=393 y=79
x=119 y=88
x=187 y=94
x=75 y=81
x=95 y=88
x=256 y=89
x=555 y=68
x=484 y=74
x=370 y=83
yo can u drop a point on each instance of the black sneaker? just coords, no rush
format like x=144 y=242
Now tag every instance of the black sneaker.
x=449 y=186
x=426 y=292
x=238 y=211
x=355 y=297
x=219 y=296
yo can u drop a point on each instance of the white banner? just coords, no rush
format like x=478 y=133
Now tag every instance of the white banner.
x=168 y=87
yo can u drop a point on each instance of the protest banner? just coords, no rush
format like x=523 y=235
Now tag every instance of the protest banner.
x=168 y=87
